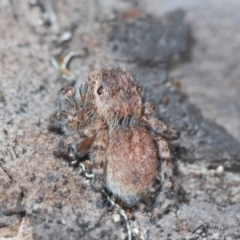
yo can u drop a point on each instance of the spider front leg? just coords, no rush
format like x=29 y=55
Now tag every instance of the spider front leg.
x=98 y=163
x=166 y=173
x=70 y=112
x=77 y=146
x=64 y=119
x=80 y=148
x=156 y=125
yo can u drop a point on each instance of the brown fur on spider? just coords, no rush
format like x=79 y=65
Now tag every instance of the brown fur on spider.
x=107 y=120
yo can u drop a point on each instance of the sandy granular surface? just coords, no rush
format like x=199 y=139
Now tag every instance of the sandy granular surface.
x=43 y=197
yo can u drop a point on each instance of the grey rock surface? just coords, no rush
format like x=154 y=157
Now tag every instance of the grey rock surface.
x=130 y=33
x=211 y=79
x=43 y=197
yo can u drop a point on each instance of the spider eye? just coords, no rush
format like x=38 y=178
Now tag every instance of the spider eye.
x=99 y=91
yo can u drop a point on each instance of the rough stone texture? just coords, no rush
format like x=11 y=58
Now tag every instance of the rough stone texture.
x=43 y=197
x=211 y=79
x=129 y=35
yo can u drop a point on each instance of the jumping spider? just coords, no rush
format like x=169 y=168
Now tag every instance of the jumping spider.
x=107 y=120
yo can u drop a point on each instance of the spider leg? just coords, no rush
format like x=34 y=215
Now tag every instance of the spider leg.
x=87 y=136
x=166 y=173
x=149 y=108
x=80 y=148
x=71 y=113
x=70 y=148
x=79 y=144
x=83 y=89
x=65 y=118
x=156 y=125
x=98 y=160
x=160 y=128
x=66 y=99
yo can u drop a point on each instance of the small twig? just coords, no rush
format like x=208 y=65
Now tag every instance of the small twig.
x=6 y=172
x=197 y=228
x=61 y=63
x=122 y=213
x=129 y=232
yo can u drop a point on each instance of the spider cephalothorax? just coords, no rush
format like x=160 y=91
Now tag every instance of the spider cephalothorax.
x=115 y=94
x=125 y=142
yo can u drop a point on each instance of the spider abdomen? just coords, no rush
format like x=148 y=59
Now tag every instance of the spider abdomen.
x=131 y=162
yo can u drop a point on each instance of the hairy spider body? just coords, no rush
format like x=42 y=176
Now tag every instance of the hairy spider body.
x=108 y=121
x=132 y=162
